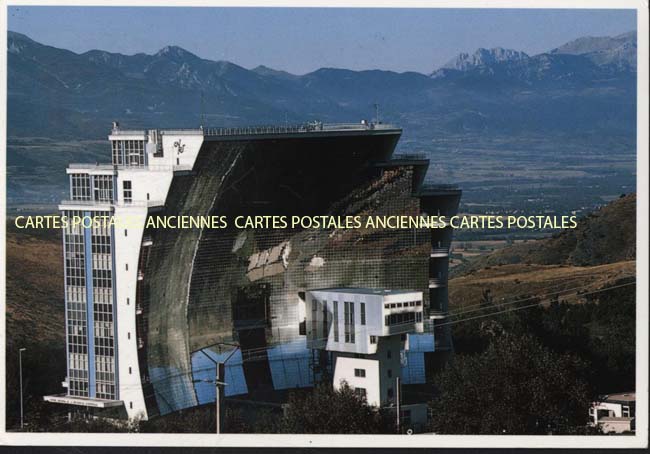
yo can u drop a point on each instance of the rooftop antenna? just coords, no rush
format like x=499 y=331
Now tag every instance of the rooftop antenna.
x=377 y=113
x=202 y=111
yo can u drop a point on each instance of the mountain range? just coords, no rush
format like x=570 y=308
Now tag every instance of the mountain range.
x=587 y=85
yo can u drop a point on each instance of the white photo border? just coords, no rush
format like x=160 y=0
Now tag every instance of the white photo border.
x=639 y=440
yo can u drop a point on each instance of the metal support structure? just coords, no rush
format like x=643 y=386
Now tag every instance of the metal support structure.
x=398 y=396
x=20 y=363
x=217 y=380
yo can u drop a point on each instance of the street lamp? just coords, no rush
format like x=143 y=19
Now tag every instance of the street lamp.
x=20 y=363
x=217 y=379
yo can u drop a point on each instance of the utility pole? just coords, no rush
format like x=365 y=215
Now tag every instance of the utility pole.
x=217 y=390
x=20 y=363
x=217 y=380
x=397 y=398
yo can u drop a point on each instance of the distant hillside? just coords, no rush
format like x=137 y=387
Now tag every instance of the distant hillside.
x=604 y=50
x=57 y=93
x=34 y=291
x=519 y=281
x=605 y=236
x=35 y=321
x=60 y=105
x=484 y=57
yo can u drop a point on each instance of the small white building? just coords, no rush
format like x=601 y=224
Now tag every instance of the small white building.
x=365 y=330
x=614 y=413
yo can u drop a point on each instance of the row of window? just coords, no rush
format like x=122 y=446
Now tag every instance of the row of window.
x=348 y=316
x=77 y=330
x=348 y=321
x=80 y=186
x=403 y=318
x=100 y=191
x=128 y=152
x=96 y=187
x=400 y=305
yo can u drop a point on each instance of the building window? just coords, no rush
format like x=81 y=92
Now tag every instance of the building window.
x=130 y=371
x=127 y=191
x=359 y=373
x=126 y=232
x=128 y=335
x=80 y=186
x=348 y=314
x=103 y=188
x=325 y=330
x=360 y=392
x=134 y=152
x=389 y=372
x=388 y=354
x=156 y=137
x=626 y=411
x=126 y=266
x=131 y=405
x=363 y=313
x=401 y=318
x=128 y=152
x=336 y=321
x=128 y=301
x=346 y=317
x=373 y=339
x=314 y=318
x=147 y=196
x=390 y=393
x=118 y=152
x=352 y=323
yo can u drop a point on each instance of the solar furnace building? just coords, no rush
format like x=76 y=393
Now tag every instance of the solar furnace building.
x=149 y=310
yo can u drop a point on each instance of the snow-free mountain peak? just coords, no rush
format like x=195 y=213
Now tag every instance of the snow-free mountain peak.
x=484 y=57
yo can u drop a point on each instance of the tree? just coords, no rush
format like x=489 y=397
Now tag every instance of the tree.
x=326 y=410
x=516 y=386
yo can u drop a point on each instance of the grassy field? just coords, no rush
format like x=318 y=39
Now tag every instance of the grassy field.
x=34 y=285
x=510 y=282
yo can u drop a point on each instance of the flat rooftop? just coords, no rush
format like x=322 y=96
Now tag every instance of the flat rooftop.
x=306 y=128
x=364 y=291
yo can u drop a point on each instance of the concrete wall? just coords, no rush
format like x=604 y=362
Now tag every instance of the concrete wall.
x=344 y=371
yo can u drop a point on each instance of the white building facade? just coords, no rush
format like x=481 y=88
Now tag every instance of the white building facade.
x=365 y=330
x=614 y=413
x=101 y=262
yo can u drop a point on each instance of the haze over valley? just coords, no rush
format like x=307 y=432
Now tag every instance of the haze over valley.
x=547 y=133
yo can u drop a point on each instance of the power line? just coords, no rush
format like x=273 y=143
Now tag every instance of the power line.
x=526 y=307
x=558 y=292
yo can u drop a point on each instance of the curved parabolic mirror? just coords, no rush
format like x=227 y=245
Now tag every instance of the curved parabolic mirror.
x=203 y=291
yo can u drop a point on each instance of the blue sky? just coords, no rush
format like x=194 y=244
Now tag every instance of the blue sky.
x=300 y=40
